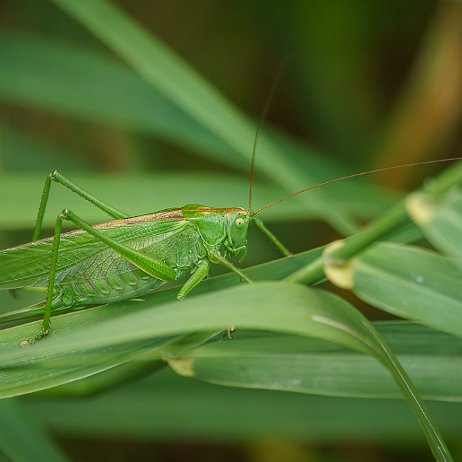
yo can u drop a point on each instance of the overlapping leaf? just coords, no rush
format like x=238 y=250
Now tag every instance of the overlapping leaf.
x=440 y=219
x=280 y=307
x=412 y=283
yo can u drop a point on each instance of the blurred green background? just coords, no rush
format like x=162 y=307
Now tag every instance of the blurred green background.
x=367 y=85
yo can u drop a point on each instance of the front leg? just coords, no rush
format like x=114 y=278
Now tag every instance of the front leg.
x=282 y=248
x=201 y=272
x=216 y=257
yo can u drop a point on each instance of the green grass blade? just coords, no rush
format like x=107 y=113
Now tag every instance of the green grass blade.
x=41 y=72
x=136 y=366
x=440 y=219
x=434 y=438
x=412 y=283
x=180 y=83
x=307 y=312
x=307 y=365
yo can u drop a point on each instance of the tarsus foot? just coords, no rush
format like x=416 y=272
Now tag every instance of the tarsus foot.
x=38 y=335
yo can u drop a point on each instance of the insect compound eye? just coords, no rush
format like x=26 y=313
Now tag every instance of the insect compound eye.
x=239 y=222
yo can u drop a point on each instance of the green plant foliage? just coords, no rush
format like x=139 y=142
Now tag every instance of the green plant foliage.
x=440 y=220
x=411 y=282
x=168 y=138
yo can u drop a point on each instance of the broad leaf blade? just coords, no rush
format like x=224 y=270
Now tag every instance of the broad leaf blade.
x=307 y=365
x=307 y=312
x=440 y=219
x=412 y=283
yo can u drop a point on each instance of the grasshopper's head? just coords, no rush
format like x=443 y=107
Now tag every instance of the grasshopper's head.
x=237 y=224
x=221 y=226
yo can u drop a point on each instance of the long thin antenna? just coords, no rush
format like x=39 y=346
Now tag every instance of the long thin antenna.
x=263 y=115
x=335 y=180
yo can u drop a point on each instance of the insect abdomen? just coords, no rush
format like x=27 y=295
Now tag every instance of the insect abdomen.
x=115 y=287
x=180 y=252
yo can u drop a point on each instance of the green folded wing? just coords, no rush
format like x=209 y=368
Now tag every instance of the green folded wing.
x=81 y=255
